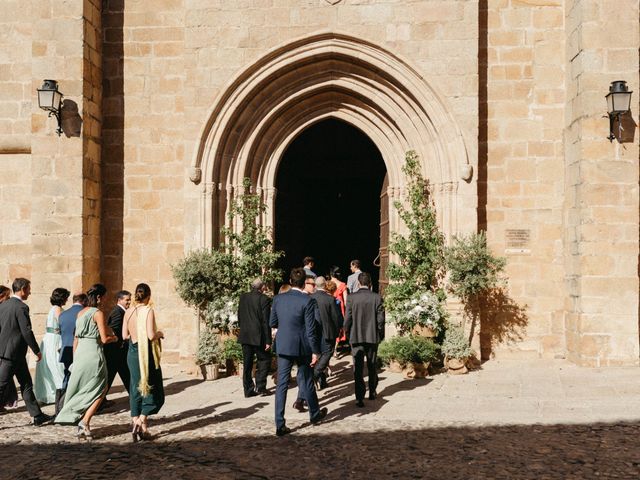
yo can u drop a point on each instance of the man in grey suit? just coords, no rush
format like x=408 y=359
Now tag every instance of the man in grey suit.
x=15 y=336
x=364 y=326
x=330 y=321
x=352 y=280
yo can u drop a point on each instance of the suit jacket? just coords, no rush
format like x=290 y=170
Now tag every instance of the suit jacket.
x=116 y=317
x=330 y=314
x=294 y=315
x=67 y=321
x=253 y=319
x=352 y=282
x=364 y=321
x=15 y=330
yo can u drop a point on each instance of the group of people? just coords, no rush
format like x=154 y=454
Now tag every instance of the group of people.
x=80 y=354
x=302 y=324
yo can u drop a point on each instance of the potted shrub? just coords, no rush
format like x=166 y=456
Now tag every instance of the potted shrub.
x=232 y=354
x=209 y=354
x=409 y=354
x=456 y=350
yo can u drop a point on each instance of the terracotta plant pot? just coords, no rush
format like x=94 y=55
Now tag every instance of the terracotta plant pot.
x=210 y=371
x=395 y=367
x=416 y=370
x=424 y=331
x=456 y=366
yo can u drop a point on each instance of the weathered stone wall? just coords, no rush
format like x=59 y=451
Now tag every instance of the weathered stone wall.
x=524 y=157
x=601 y=186
x=15 y=141
x=524 y=80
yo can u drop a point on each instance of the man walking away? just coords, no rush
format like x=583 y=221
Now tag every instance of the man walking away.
x=116 y=353
x=331 y=321
x=352 y=280
x=364 y=326
x=293 y=314
x=15 y=336
x=308 y=264
x=67 y=321
x=255 y=337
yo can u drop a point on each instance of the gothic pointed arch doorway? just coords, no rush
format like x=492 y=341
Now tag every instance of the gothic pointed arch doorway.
x=327 y=204
x=268 y=105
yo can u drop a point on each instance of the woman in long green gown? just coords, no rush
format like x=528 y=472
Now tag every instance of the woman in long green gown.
x=88 y=382
x=146 y=392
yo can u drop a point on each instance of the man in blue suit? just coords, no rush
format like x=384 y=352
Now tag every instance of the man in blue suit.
x=67 y=322
x=294 y=314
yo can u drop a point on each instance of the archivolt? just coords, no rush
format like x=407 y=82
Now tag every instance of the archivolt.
x=327 y=75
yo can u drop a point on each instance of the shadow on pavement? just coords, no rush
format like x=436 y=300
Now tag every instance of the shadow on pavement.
x=495 y=452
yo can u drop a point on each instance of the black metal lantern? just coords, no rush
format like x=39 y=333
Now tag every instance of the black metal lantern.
x=50 y=99
x=618 y=103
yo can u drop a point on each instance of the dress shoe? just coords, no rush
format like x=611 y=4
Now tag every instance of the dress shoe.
x=263 y=392
x=319 y=416
x=252 y=393
x=299 y=405
x=359 y=403
x=372 y=395
x=42 y=419
x=282 y=431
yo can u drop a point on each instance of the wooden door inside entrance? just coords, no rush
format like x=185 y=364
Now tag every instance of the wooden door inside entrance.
x=382 y=262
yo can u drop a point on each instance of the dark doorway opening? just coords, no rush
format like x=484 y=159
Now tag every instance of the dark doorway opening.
x=328 y=199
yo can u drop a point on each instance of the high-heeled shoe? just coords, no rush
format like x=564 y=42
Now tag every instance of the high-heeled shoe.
x=134 y=432
x=83 y=431
x=143 y=432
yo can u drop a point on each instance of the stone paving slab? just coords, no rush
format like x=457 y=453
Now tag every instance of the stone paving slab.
x=488 y=424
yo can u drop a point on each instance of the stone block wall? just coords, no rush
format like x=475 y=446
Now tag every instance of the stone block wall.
x=524 y=179
x=15 y=142
x=601 y=186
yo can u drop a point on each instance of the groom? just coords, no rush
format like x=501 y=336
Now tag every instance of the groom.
x=295 y=315
x=15 y=336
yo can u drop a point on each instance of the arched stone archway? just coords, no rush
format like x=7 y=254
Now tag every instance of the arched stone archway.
x=304 y=82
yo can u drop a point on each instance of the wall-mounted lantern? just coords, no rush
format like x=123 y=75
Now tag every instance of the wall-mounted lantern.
x=50 y=99
x=618 y=103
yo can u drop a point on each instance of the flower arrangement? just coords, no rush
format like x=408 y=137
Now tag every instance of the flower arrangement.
x=222 y=314
x=423 y=309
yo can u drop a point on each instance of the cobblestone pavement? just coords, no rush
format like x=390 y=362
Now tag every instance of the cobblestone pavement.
x=509 y=420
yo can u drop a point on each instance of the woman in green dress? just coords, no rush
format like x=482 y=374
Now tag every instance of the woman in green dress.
x=88 y=382
x=146 y=392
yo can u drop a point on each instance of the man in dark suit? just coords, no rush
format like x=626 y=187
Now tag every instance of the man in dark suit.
x=364 y=326
x=116 y=353
x=331 y=321
x=67 y=322
x=294 y=315
x=255 y=336
x=15 y=336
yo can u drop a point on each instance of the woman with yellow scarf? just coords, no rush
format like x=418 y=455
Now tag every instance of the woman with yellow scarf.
x=146 y=392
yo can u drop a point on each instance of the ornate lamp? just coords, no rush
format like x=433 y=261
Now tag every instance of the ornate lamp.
x=618 y=103
x=50 y=99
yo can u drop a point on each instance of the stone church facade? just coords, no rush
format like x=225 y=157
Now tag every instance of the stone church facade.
x=169 y=104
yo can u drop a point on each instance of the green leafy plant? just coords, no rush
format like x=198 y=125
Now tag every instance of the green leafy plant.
x=408 y=348
x=455 y=344
x=473 y=269
x=420 y=252
x=209 y=348
x=232 y=350
x=211 y=280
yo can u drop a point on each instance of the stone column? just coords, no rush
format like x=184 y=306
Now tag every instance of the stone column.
x=65 y=217
x=601 y=186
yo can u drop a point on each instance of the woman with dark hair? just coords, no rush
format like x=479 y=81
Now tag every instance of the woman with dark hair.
x=10 y=400
x=146 y=392
x=49 y=370
x=88 y=381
